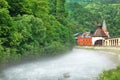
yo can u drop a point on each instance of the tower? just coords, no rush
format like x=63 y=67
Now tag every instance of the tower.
x=99 y=31
x=104 y=27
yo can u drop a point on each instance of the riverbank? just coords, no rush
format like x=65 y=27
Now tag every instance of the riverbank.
x=108 y=49
x=112 y=74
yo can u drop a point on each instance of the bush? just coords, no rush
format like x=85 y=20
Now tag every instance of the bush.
x=54 y=48
x=8 y=55
x=113 y=74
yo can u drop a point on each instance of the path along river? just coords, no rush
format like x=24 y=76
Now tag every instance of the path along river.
x=79 y=64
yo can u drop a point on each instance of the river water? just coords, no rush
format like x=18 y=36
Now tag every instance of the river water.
x=79 y=64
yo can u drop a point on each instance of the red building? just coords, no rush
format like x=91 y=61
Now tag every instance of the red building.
x=84 y=41
x=96 y=39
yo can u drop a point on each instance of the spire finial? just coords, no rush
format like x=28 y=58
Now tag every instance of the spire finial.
x=104 y=27
x=104 y=24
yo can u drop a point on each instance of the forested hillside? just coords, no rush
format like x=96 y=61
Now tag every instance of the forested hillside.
x=96 y=1
x=33 y=28
x=85 y=14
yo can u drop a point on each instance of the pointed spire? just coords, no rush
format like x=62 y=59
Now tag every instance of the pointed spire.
x=104 y=24
x=104 y=27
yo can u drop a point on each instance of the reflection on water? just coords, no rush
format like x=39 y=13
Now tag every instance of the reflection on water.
x=79 y=64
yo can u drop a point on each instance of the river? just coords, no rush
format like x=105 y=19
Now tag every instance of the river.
x=79 y=64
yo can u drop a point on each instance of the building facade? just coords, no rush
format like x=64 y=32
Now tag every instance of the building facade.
x=84 y=41
x=112 y=42
x=100 y=35
x=99 y=38
x=96 y=39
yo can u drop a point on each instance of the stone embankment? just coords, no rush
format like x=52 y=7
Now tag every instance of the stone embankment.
x=110 y=49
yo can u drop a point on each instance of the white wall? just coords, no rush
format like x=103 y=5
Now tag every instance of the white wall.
x=94 y=39
x=119 y=42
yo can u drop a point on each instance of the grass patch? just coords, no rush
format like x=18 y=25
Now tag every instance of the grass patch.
x=113 y=74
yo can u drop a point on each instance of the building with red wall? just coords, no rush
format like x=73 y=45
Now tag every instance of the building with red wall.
x=84 y=41
x=96 y=39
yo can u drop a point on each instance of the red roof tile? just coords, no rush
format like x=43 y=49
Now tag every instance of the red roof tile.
x=99 y=32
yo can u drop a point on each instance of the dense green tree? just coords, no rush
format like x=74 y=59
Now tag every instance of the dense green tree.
x=80 y=18
x=33 y=28
x=94 y=1
x=52 y=4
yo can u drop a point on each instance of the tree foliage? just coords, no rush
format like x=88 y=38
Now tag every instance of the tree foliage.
x=110 y=75
x=85 y=16
x=33 y=28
